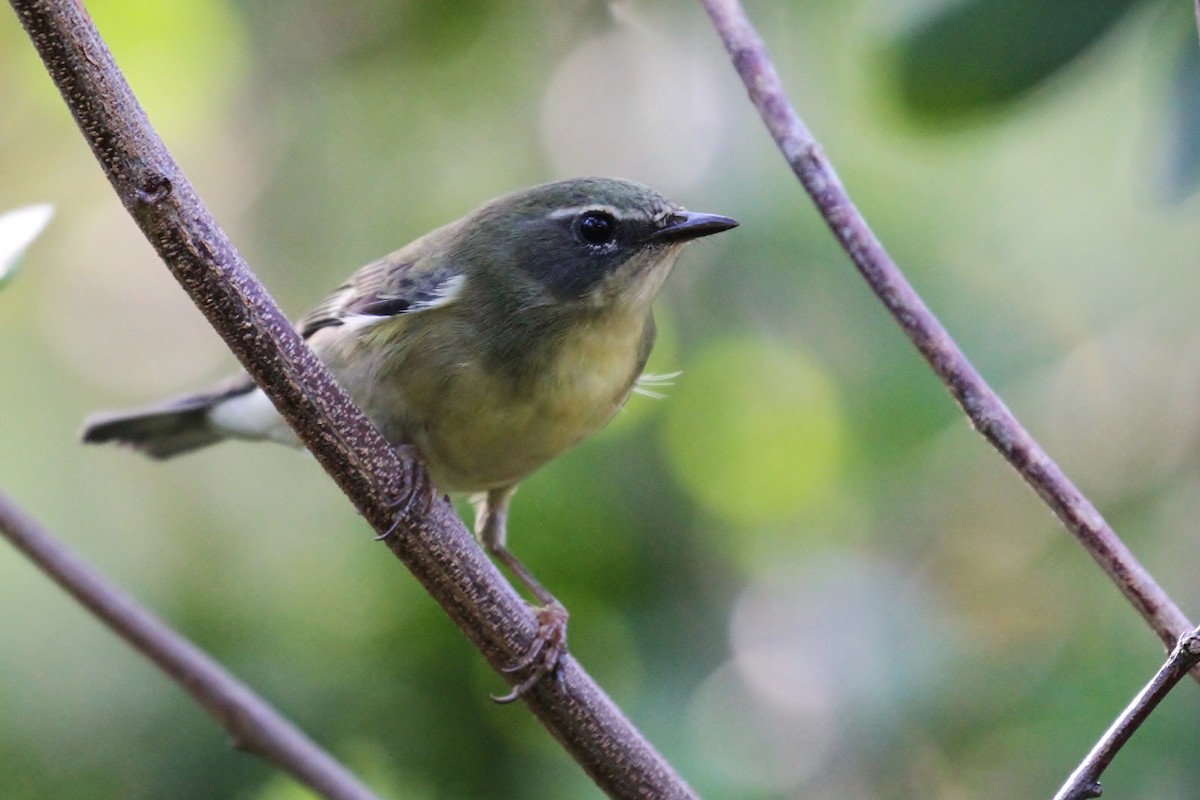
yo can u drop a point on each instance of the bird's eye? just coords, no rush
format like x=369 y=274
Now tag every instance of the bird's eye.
x=596 y=227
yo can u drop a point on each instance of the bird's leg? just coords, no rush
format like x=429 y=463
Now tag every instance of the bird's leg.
x=491 y=517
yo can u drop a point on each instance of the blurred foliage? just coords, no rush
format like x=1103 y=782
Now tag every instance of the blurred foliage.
x=976 y=54
x=970 y=59
x=1184 y=163
x=800 y=573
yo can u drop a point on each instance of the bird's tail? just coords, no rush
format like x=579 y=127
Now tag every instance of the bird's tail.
x=170 y=429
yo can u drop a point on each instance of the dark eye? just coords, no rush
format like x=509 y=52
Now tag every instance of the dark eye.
x=596 y=227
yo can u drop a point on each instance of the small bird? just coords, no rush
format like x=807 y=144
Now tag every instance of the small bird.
x=492 y=345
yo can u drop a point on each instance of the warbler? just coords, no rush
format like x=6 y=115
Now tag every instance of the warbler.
x=492 y=345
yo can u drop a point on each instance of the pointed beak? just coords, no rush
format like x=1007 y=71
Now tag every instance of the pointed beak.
x=687 y=225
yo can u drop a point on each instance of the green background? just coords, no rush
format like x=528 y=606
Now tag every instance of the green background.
x=801 y=573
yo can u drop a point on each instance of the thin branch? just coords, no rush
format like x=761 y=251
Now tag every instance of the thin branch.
x=388 y=488
x=1084 y=782
x=982 y=405
x=252 y=722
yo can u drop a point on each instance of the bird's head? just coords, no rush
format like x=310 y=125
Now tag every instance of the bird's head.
x=585 y=242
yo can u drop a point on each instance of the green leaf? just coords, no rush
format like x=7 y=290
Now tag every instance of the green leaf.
x=18 y=229
x=981 y=54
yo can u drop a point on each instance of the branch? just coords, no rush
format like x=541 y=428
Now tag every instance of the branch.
x=389 y=488
x=982 y=405
x=254 y=725
x=1084 y=782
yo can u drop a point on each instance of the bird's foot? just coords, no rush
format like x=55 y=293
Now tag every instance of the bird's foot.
x=544 y=654
x=415 y=495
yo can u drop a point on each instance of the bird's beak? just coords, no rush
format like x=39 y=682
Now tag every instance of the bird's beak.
x=687 y=225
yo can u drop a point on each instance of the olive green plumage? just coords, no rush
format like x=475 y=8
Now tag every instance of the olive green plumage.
x=492 y=344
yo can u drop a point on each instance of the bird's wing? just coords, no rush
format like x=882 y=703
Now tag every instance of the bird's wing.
x=384 y=289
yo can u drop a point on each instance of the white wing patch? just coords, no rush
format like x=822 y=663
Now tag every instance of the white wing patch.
x=648 y=384
x=444 y=294
x=356 y=322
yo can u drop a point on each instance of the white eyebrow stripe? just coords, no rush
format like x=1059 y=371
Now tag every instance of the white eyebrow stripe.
x=562 y=213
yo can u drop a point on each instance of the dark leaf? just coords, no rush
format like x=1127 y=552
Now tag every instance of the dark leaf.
x=980 y=54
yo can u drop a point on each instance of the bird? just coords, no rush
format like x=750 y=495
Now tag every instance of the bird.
x=491 y=345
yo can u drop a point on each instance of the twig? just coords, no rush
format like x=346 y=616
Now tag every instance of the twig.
x=429 y=538
x=982 y=405
x=1084 y=782
x=252 y=722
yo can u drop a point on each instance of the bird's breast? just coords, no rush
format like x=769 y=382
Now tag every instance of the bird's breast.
x=483 y=430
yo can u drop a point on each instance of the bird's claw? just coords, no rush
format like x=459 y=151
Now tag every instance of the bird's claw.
x=544 y=654
x=417 y=495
